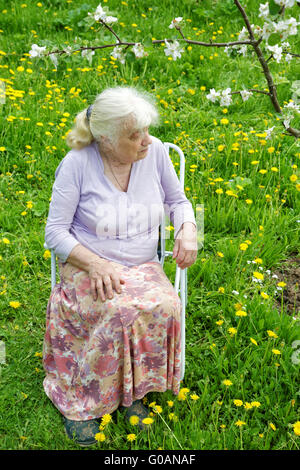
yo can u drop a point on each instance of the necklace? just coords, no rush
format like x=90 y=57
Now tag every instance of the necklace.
x=107 y=159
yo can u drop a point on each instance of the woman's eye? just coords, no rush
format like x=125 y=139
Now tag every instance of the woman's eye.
x=135 y=136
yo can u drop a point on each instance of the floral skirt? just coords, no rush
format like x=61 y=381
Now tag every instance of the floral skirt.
x=100 y=355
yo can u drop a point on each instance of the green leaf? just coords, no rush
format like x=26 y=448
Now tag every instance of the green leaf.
x=147 y=42
x=274 y=8
x=274 y=38
x=130 y=57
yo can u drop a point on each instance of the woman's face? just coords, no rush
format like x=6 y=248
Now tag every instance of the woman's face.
x=131 y=146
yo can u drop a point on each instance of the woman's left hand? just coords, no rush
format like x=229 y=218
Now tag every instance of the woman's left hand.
x=185 y=247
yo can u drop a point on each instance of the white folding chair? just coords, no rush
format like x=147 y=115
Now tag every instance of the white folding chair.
x=180 y=284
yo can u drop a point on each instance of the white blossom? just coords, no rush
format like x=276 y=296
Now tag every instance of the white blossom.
x=286 y=122
x=268 y=134
x=225 y=98
x=68 y=50
x=54 y=59
x=173 y=49
x=118 y=53
x=37 y=51
x=293 y=106
x=138 y=50
x=235 y=292
x=242 y=50
x=285 y=3
x=288 y=57
x=286 y=28
x=100 y=14
x=264 y=10
x=245 y=94
x=175 y=22
x=276 y=51
x=213 y=95
x=285 y=45
x=88 y=54
x=244 y=34
x=268 y=28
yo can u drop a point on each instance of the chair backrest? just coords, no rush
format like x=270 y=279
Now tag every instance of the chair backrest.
x=162 y=253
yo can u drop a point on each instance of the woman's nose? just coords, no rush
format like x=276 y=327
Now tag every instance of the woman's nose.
x=146 y=139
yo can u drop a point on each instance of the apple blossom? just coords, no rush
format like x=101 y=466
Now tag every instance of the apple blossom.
x=118 y=53
x=245 y=94
x=173 y=49
x=175 y=22
x=285 y=3
x=264 y=11
x=213 y=95
x=37 y=51
x=276 y=51
x=138 y=50
x=100 y=14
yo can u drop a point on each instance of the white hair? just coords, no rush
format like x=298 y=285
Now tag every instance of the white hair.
x=114 y=111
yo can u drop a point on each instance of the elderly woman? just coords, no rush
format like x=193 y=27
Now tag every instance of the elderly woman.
x=113 y=320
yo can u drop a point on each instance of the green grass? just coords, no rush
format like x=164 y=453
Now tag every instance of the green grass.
x=262 y=210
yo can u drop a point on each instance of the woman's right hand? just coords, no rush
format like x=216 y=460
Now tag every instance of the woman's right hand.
x=104 y=278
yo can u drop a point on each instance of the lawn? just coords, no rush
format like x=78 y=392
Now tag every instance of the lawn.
x=241 y=386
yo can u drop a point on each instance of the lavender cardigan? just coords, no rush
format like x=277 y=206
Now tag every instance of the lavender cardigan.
x=87 y=208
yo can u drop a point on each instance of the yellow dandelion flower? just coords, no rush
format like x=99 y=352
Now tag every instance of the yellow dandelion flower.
x=271 y=149
x=293 y=178
x=14 y=304
x=276 y=351
x=281 y=284
x=227 y=382
x=264 y=295
x=255 y=404
x=220 y=254
x=272 y=426
x=5 y=241
x=170 y=403
x=131 y=437
x=296 y=427
x=219 y=322
x=134 y=420
x=241 y=313
x=47 y=254
x=100 y=437
x=247 y=405
x=272 y=334
x=221 y=290
x=240 y=423
x=238 y=402
x=194 y=397
x=243 y=246
x=253 y=341
x=147 y=421
x=182 y=395
x=258 y=275
x=232 y=331
x=157 y=409
x=106 y=419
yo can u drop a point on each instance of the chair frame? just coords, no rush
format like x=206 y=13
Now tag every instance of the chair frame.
x=180 y=284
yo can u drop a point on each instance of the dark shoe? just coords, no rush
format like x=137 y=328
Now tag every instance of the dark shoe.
x=83 y=432
x=137 y=409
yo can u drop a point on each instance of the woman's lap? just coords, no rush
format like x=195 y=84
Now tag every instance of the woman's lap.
x=99 y=355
